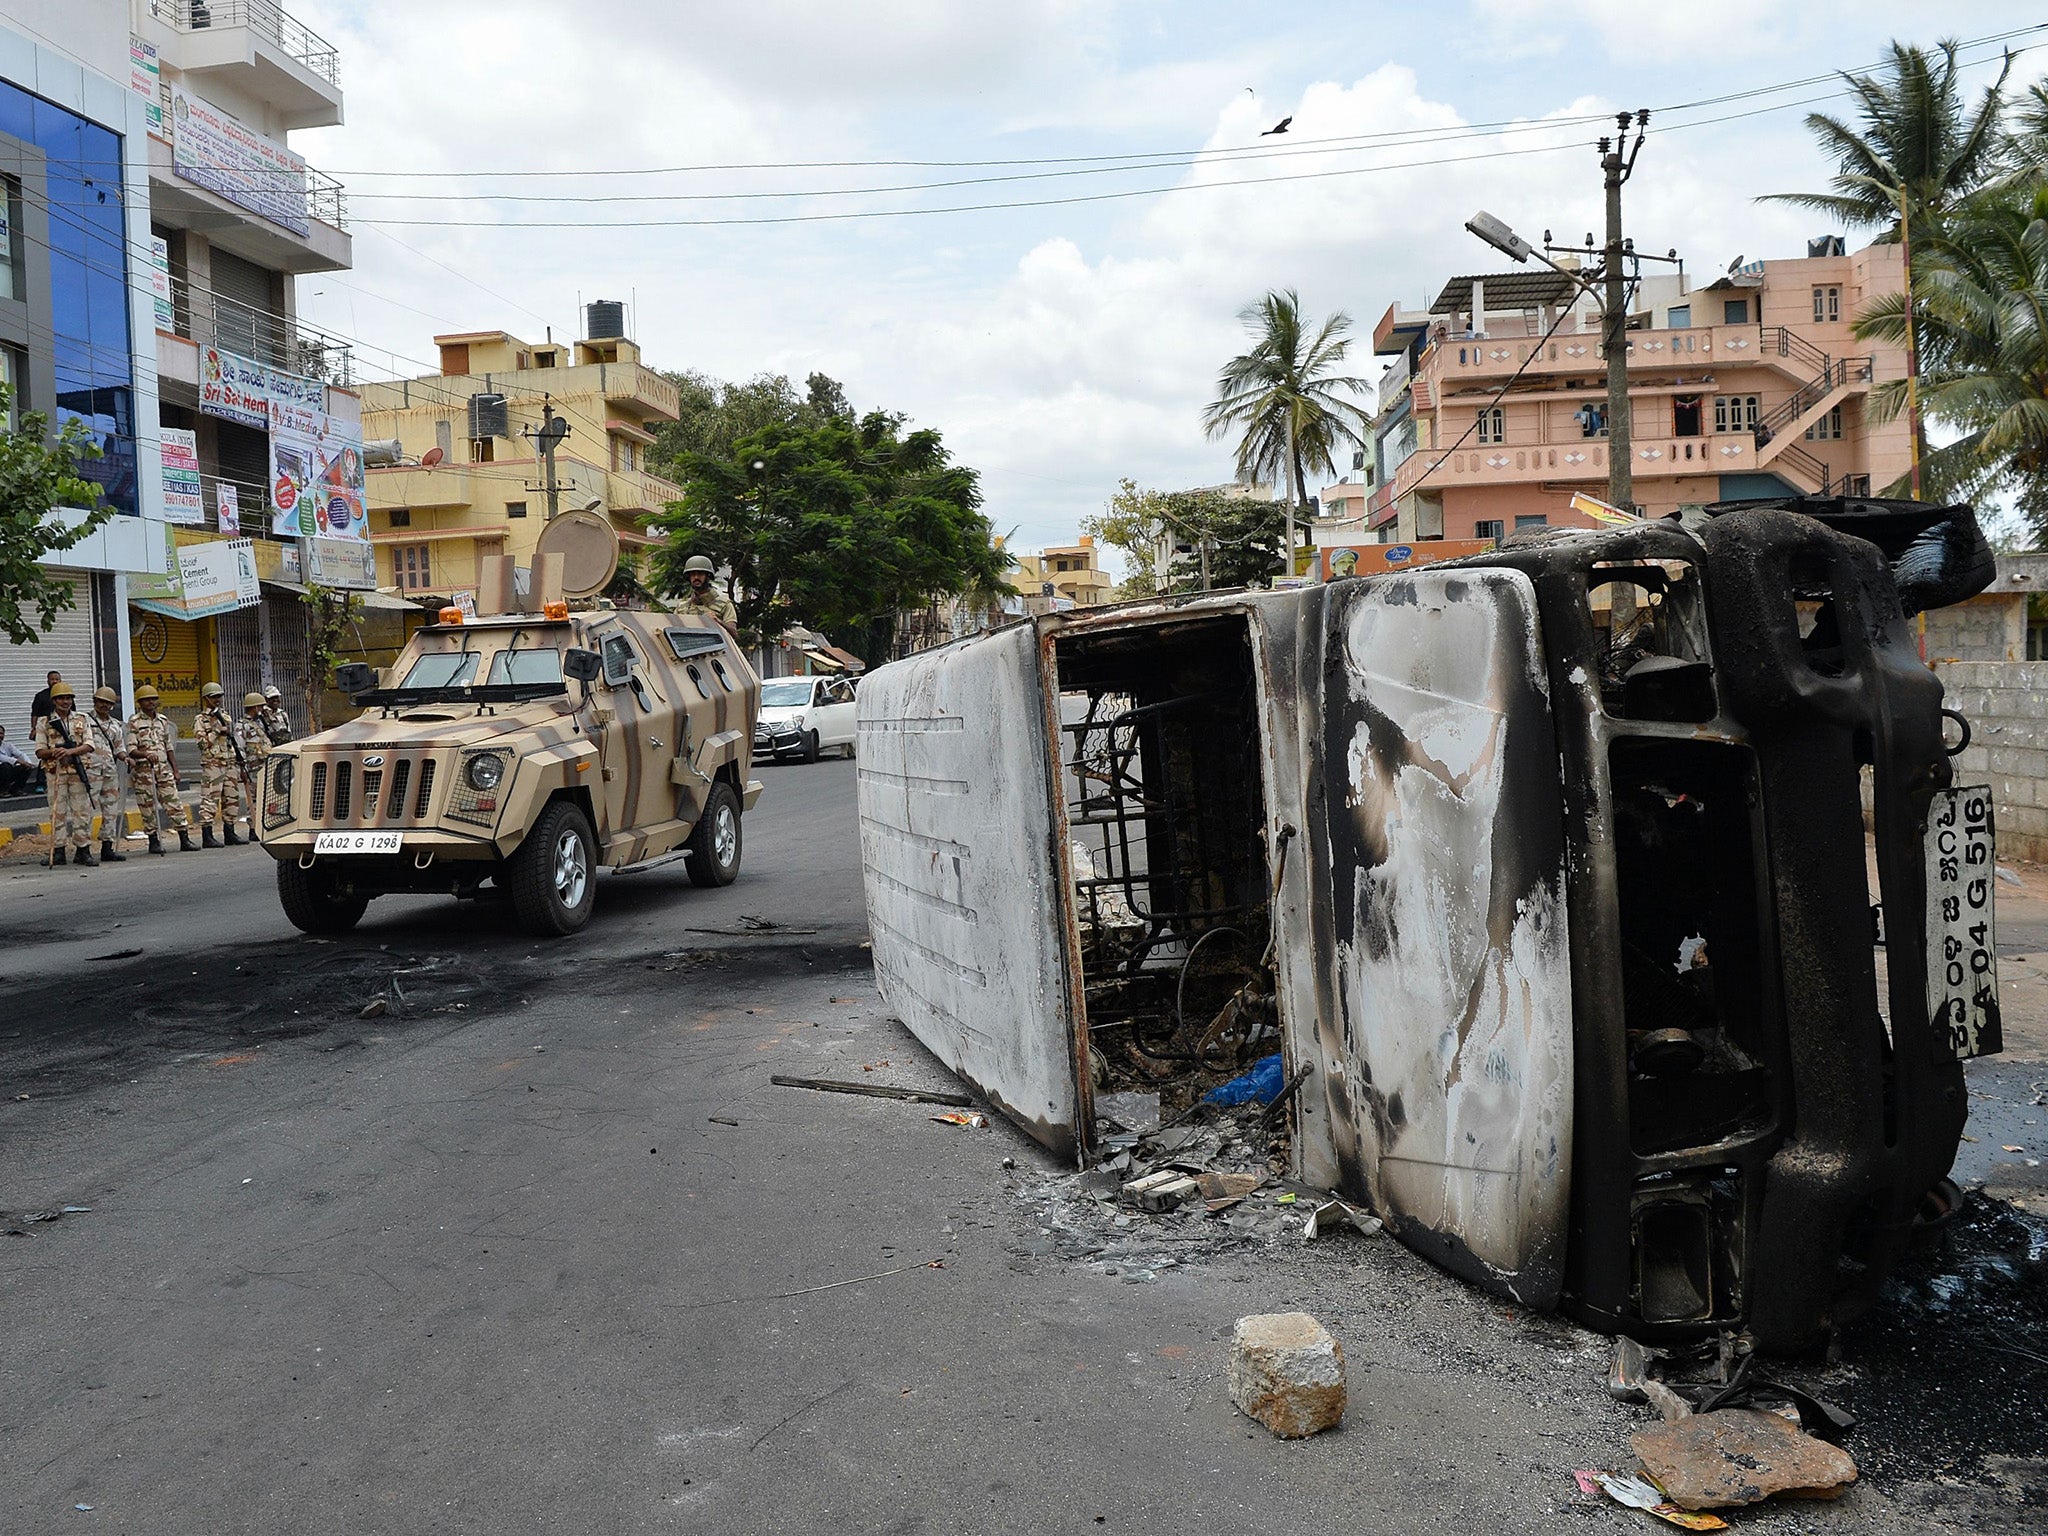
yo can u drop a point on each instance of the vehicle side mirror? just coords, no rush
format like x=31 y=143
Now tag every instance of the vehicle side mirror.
x=584 y=666
x=355 y=677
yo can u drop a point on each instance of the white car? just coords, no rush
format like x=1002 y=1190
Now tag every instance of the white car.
x=803 y=716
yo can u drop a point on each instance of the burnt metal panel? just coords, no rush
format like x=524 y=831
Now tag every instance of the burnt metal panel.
x=968 y=897
x=1448 y=1055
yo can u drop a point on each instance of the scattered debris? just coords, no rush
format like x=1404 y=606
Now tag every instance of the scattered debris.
x=1640 y=1493
x=1129 y=1111
x=1665 y=1401
x=375 y=1008
x=751 y=926
x=2008 y=876
x=1229 y=1185
x=1164 y=1190
x=724 y=1120
x=1287 y=1372
x=1335 y=1214
x=1629 y=1369
x=973 y=1122
x=1737 y=1456
x=873 y=1090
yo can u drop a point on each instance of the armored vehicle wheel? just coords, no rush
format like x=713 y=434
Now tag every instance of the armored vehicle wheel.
x=715 y=842
x=552 y=879
x=810 y=746
x=310 y=901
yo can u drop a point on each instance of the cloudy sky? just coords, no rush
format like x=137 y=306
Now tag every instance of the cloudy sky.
x=1071 y=338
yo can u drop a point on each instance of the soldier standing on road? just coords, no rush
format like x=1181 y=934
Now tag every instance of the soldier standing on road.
x=110 y=751
x=252 y=734
x=223 y=794
x=703 y=597
x=277 y=725
x=64 y=745
x=153 y=772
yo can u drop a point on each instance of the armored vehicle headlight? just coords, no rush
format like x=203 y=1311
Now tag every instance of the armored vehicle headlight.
x=486 y=770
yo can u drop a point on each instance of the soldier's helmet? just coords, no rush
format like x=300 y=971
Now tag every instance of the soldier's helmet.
x=698 y=563
x=63 y=691
x=105 y=696
x=146 y=692
x=252 y=701
x=210 y=691
x=272 y=693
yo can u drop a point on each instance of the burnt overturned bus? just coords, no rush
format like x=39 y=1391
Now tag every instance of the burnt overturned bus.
x=1545 y=869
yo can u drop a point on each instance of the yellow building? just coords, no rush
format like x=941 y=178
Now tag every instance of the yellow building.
x=1065 y=571
x=483 y=493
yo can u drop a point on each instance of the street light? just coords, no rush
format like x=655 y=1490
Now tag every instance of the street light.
x=1501 y=238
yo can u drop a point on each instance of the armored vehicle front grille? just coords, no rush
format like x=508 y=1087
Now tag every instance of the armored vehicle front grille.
x=316 y=806
x=419 y=810
x=344 y=772
x=373 y=782
x=394 y=805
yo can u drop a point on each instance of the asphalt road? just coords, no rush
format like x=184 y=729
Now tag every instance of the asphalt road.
x=493 y=1260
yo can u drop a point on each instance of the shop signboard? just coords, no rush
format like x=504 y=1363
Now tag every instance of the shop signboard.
x=227 y=509
x=218 y=577
x=183 y=502
x=347 y=564
x=234 y=388
x=218 y=151
x=1372 y=559
x=145 y=79
x=316 y=465
x=160 y=283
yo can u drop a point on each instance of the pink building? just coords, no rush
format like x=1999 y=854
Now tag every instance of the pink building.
x=1749 y=386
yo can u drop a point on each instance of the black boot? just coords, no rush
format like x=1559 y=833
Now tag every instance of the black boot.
x=156 y=845
x=227 y=835
x=84 y=860
x=108 y=855
x=206 y=836
x=185 y=843
x=56 y=857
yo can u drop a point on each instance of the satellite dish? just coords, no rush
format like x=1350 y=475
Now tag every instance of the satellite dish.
x=1734 y=266
x=589 y=547
x=431 y=457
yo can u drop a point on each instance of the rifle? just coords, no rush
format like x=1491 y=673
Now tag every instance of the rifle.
x=241 y=766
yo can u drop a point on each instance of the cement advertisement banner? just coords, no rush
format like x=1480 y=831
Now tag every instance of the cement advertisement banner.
x=216 y=150
x=182 y=499
x=209 y=576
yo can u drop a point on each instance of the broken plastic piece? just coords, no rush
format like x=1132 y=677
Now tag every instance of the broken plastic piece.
x=1335 y=1214
x=1641 y=1493
x=972 y=1122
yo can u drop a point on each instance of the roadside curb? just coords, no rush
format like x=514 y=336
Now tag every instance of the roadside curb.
x=29 y=825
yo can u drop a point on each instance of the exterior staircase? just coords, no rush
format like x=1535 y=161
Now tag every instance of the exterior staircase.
x=1826 y=383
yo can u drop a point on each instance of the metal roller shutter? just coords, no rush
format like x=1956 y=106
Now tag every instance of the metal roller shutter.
x=69 y=648
x=241 y=654
x=290 y=663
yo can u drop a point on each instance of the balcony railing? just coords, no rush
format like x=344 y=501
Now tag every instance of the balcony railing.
x=326 y=200
x=216 y=320
x=264 y=17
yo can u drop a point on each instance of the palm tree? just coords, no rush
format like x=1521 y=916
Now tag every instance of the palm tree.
x=1919 y=145
x=1982 y=316
x=1285 y=401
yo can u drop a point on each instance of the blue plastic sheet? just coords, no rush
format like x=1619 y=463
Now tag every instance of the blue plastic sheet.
x=1261 y=1085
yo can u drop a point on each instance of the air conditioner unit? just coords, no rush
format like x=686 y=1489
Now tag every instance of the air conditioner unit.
x=489 y=416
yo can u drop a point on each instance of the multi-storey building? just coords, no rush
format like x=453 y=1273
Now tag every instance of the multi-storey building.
x=470 y=480
x=1067 y=573
x=158 y=220
x=1494 y=408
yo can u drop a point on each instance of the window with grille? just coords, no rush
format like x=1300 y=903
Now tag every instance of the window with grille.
x=1827 y=303
x=410 y=563
x=1493 y=424
x=515 y=509
x=1735 y=413
x=1489 y=528
x=1828 y=428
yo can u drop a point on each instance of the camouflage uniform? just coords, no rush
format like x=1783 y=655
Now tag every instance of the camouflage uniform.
x=110 y=745
x=152 y=772
x=71 y=803
x=277 y=725
x=254 y=736
x=711 y=602
x=222 y=794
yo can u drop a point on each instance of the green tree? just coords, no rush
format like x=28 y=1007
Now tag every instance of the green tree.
x=333 y=617
x=843 y=524
x=1916 y=140
x=1284 y=400
x=1981 y=313
x=38 y=474
x=714 y=415
x=1243 y=536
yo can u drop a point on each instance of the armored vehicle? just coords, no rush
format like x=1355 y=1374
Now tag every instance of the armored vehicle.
x=521 y=751
x=1543 y=870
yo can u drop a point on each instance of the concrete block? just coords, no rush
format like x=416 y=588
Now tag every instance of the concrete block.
x=1287 y=1372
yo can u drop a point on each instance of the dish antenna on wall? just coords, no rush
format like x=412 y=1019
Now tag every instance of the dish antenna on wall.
x=431 y=457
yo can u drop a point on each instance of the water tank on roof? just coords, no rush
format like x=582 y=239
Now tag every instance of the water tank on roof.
x=488 y=416
x=605 y=320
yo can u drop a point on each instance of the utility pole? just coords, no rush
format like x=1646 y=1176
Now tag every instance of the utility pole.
x=547 y=437
x=1618 y=163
